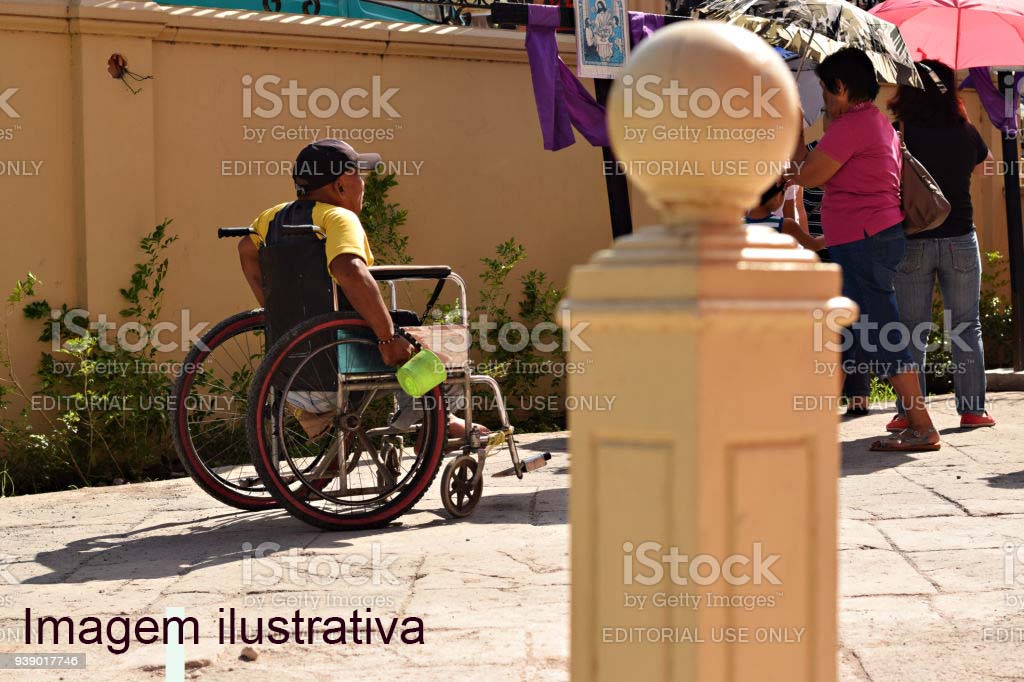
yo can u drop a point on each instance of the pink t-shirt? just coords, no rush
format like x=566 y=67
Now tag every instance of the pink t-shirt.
x=863 y=197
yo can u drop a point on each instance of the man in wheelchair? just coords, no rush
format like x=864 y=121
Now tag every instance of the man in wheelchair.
x=295 y=283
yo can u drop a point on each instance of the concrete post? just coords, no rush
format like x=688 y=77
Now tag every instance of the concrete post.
x=703 y=503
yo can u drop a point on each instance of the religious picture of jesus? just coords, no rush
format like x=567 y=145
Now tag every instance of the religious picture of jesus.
x=602 y=38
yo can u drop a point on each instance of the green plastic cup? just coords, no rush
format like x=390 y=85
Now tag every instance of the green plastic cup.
x=421 y=373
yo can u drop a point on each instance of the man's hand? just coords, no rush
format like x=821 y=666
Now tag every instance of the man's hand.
x=362 y=292
x=397 y=352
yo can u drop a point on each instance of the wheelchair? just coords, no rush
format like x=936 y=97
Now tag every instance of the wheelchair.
x=318 y=424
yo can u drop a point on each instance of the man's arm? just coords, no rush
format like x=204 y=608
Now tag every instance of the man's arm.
x=361 y=290
x=249 y=255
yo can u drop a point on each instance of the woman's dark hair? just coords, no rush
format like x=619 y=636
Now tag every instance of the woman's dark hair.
x=852 y=67
x=930 y=107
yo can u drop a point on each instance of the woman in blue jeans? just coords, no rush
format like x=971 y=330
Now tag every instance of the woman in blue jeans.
x=937 y=132
x=858 y=161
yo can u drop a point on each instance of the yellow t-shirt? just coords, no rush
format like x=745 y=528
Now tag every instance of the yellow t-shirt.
x=341 y=227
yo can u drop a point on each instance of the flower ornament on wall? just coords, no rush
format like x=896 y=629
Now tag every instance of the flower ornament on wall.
x=117 y=67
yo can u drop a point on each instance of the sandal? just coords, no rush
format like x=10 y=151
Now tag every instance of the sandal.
x=907 y=440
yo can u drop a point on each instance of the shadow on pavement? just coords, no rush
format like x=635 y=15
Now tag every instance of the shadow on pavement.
x=189 y=545
x=549 y=507
x=139 y=555
x=1011 y=480
x=553 y=444
x=859 y=460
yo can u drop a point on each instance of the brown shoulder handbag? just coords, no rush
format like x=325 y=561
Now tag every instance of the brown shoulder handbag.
x=924 y=205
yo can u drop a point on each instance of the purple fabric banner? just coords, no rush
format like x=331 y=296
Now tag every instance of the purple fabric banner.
x=993 y=100
x=562 y=101
x=642 y=25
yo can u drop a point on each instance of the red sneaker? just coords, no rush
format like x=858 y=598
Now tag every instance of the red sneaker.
x=973 y=421
x=897 y=424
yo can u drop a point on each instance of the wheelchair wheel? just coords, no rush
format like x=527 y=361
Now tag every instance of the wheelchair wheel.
x=337 y=458
x=208 y=411
x=458 y=492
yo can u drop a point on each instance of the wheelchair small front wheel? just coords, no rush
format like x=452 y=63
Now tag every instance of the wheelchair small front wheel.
x=459 y=494
x=336 y=458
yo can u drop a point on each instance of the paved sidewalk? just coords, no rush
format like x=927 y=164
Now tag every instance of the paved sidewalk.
x=492 y=590
x=928 y=593
x=924 y=584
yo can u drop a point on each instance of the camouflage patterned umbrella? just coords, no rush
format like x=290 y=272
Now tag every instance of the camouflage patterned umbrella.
x=819 y=28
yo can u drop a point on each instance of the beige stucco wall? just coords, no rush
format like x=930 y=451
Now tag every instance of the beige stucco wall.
x=114 y=163
x=108 y=164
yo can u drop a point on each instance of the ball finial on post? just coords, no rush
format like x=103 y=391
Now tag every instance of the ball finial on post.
x=703 y=120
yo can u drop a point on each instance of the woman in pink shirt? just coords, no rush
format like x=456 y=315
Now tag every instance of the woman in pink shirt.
x=858 y=162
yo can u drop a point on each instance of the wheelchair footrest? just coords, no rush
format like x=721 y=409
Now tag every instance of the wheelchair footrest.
x=528 y=464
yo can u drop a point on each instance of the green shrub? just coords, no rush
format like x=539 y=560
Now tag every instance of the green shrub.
x=535 y=302
x=521 y=373
x=996 y=328
x=996 y=313
x=383 y=220
x=106 y=417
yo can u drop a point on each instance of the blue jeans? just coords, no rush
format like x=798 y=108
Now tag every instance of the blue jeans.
x=877 y=340
x=956 y=262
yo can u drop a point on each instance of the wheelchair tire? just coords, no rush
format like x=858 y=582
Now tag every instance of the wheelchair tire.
x=283 y=380
x=206 y=445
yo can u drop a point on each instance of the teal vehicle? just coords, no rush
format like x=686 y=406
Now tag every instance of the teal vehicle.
x=397 y=10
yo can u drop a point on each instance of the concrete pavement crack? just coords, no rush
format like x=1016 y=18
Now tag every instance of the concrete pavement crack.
x=906 y=557
x=417 y=574
x=935 y=492
x=527 y=564
x=860 y=664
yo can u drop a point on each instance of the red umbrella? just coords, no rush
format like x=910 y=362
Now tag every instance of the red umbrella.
x=961 y=33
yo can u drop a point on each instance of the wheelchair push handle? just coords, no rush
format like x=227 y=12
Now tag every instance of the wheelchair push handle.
x=225 y=232
x=297 y=230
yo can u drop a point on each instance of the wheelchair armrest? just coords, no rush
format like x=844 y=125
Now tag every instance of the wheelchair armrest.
x=387 y=273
